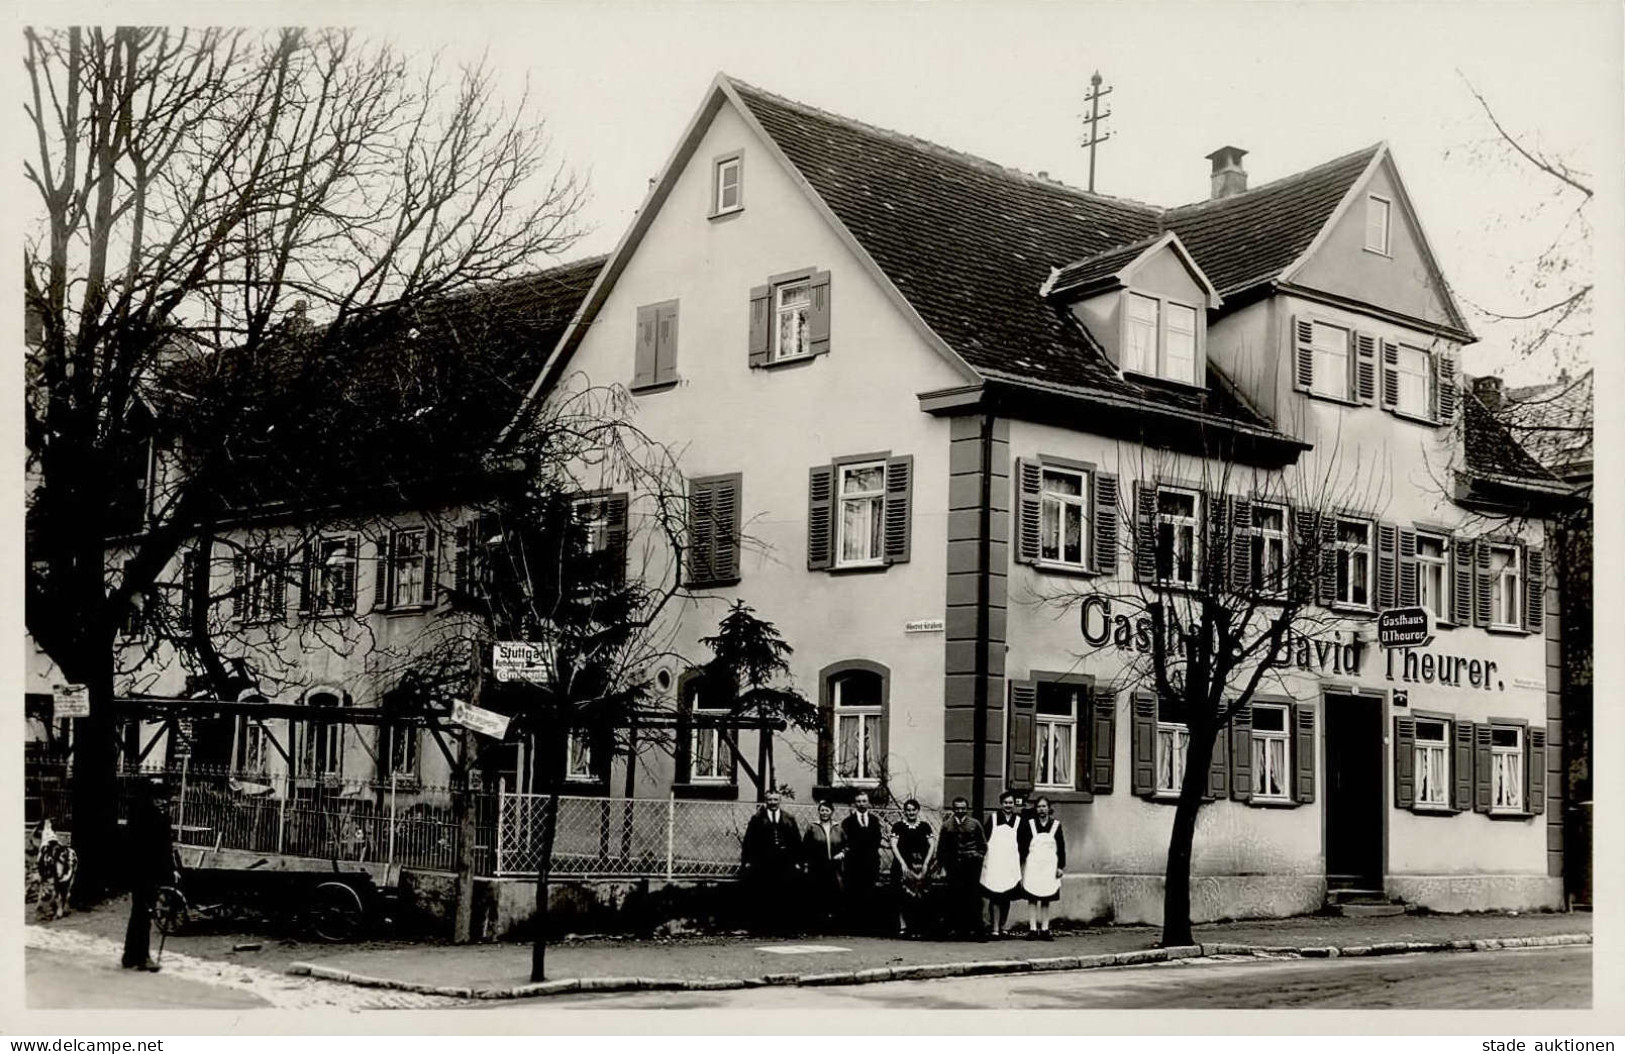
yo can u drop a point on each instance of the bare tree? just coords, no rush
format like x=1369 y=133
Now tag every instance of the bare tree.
x=203 y=195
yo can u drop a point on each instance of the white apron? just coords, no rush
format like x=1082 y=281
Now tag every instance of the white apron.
x=1038 y=875
x=1001 y=868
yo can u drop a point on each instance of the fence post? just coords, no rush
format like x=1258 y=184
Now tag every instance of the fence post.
x=671 y=830
x=180 y=809
x=502 y=815
x=394 y=784
x=282 y=815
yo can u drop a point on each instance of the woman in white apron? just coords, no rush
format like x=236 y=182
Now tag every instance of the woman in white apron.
x=1001 y=868
x=1043 y=860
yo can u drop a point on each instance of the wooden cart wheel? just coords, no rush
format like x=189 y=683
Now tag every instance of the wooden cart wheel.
x=336 y=912
x=169 y=912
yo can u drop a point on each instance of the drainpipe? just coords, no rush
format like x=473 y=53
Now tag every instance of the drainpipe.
x=984 y=515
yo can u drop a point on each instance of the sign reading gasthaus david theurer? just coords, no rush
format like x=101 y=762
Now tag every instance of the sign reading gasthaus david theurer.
x=517 y=660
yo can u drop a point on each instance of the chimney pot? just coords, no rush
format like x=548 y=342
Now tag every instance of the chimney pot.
x=1228 y=177
x=1488 y=389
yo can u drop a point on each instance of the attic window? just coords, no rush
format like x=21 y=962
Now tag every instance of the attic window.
x=727 y=184
x=1161 y=338
x=1377 y=209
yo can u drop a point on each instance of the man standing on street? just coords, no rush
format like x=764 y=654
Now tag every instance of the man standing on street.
x=960 y=851
x=860 y=832
x=152 y=864
x=769 y=856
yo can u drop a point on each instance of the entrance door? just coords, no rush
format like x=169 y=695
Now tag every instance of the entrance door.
x=1354 y=792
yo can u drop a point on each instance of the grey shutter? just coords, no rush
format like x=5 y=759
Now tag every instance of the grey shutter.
x=277 y=573
x=1404 y=761
x=701 y=533
x=1534 y=607
x=239 y=586
x=1303 y=358
x=1326 y=549
x=1305 y=561
x=1241 y=754
x=1143 y=743
x=344 y=596
x=1387 y=565
x=1365 y=368
x=1481 y=767
x=1444 y=374
x=1461 y=581
x=820 y=518
x=684 y=733
x=461 y=557
x=383 y=573
x=1145 y=532
x=1102 y=740
x=1461 y=762
x=725 y=515
x=307 y=577
x=899 y=516
x=1213 y=570
x=1023 y=728
x=1534 y=798
x=1241 y=546
x=1103 y=545
x=431 y=550
x=818 y=315
x=1083 y=768
x=1029 y=498
x=646 y=357
x=1483 y=585
x=1409 y=569
x=761 y=315
x=1218 y=769
x=1303 y=752
x=615 y=508
x=1390 y=375
x=665 y=370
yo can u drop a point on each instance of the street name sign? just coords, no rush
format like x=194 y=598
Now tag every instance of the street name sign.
x=486 y=722
x=1405 y=628
x=518 y=660
x=70 y=700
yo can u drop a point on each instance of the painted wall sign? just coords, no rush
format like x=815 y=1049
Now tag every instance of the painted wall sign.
x=1452 y=671
x=1101 y=627
x=924 y=625
x=1405 y=628
x=70 y=700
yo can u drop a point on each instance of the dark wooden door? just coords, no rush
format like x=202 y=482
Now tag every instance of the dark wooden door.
x=1354 y=792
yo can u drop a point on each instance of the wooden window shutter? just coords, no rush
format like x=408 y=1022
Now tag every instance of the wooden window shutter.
x=431 y=551
x=615 y=508
x=645 y=361
x=725 y=515
x=1326 y=549
x=1461 y=581
x=1214 y=570
x=665 y=370
x=1241 y=546
x=1143 y=743
x=461 y=557
x=1029 y=481
x=1145 y=532
x=820 y=518
x=701 y=533
x=1481 y=767
x=1390 y=375
x=899 y=516
x=1303 y=357
x=1483 y=585
x=1103 y=545
x=308 y=577
x=1023 y=729
x=826 y=733
x=1365 y=368
x=1241 y=754
x=239 y=586
x=1305 y=554
x=1446 y=396
x=1409 y=569
x=1083 y=755
x=278 y=585
x=1461 y=761
x=1387 y=565
x=1534 y=607
x=761 y=317
x=1534 y=798
x=1218 y=768
x=383 y=572
x=1404 y=761
x=818 y=315
x=684 y=734
x=1303 y=753
x=1102 y=740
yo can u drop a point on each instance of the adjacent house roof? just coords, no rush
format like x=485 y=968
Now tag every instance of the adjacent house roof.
x=1492 y=453
x=1554 y=423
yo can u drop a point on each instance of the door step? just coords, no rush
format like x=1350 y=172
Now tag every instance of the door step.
x=1361 y=903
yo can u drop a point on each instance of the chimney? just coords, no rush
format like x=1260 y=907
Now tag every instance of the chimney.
x=1488 y=390
x=1229 y=178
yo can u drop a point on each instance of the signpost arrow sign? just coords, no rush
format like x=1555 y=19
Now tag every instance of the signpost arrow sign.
x=486 y=722
x=1405 y=628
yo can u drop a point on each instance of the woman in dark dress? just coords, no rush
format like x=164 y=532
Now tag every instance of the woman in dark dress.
x=911 y=848
x=822 y=849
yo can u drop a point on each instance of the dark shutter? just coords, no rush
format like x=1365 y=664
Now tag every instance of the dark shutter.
x=818 y=315
x=462 y=557
x=1534 y=607
x=1387 y=565
x=826 y=734
x=1029 y=484
x=1534 y=797
x=1103 y=740
x=307 y=579
x=725 y=513
x=666 y=344
x=1365 y=367
x=1083 y=777
x=1218 y=768
x=1145 y=532
x=431 y=551
x=1303 y=752
x=1103 y=545
x=761 y=314
x=1461 y=581
x=615 y=507
x=1305 y=554
x=1143 y=743
x=344 y=593
x=645 y=361
x=701 y=533
x=1019 y=750
x=239 y=586
x=1241 y=754
x=1390 y=375
x=1241 y=546
x=1409 y=569
x=1404 y=761
x=1326 y=548
x=820 y=518
x=1444 y=373
x=1481 y=767
x=383 y=573
x=1214 y=567
x=1483 y=586
x=277 y=584
x=899 y=524
x=1303 y=373
x=684 y=732
x=1461 y=762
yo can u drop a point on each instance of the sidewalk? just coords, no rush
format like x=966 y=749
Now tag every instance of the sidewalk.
x=735 y=961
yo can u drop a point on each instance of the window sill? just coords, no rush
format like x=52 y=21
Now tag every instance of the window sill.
x=1272 y=803
x=1050 y=567
x=407 y=609
x=860 y=569
x=1063 y=796
x=789 y=361
x=725 y=214
x=654 y=386
x=1508 y=814
x=1379 y=252
x=1159 y=379
x=1353 y=609
x=1420 y=419
x=712 y=583
x=1433 y=810
x=1507 y=631
x=328 y=613
x=718 y=791
x=1340 y=400
x=1164 y=797
x=585 y=788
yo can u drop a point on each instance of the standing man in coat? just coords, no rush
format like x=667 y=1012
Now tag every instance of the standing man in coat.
x=960 y=850
x=770 y=857
x=152 y=864
x=860 y=832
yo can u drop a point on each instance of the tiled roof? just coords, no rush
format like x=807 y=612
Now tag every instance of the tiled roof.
x=1101 y=265
x=1490 y=449
x=1553 y=422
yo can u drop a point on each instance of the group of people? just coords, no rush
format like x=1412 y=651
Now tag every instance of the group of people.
x=1016 y=852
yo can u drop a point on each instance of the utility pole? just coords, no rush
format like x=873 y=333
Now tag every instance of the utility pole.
x=1094 y=137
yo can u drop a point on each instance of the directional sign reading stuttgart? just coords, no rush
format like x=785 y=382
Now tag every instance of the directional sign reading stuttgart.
x=1405 y=628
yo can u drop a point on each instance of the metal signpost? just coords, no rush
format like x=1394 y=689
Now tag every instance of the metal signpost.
x=486 y=722
x=517 y=660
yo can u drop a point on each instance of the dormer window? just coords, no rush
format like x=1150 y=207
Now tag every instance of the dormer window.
x=1377 y=210
x=1161 y=338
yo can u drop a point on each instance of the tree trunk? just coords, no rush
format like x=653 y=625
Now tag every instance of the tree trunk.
x=95 y=778
x=1176 y=895
x=544 y=865
x=762 y=784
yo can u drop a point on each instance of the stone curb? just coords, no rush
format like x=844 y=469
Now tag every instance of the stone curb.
x=927 y=971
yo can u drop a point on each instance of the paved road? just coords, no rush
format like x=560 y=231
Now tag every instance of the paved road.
x=62 y=981
x=1535 y=978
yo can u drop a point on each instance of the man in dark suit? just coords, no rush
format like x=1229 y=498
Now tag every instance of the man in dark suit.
x=152 y=864
x=769 y=858
x=860 y=832
x=960 y=849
